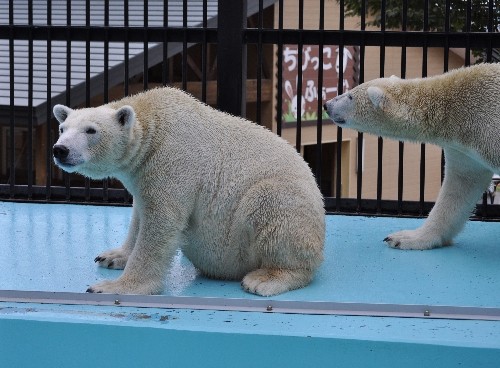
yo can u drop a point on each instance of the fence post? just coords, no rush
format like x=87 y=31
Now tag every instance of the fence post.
x=231 y=56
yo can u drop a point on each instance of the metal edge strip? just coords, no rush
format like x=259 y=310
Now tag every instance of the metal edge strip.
x=255 y=305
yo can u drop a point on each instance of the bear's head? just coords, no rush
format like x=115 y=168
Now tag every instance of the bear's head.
x=93 y=141
x=370 y=107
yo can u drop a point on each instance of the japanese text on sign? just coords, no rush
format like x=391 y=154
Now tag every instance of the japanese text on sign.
x=310 y=66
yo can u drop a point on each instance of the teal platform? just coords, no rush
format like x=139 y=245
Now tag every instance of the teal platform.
x=47 y=251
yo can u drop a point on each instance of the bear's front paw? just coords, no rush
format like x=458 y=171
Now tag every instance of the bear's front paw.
x=414 y=239
x=113 y=258
x=121 y=286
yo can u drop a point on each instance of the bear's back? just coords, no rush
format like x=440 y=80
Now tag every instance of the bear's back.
x=230 y=141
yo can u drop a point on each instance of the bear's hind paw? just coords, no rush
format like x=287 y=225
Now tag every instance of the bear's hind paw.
x=268 y=282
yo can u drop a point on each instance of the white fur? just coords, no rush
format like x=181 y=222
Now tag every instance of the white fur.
x=458 y=111
x=238 y=200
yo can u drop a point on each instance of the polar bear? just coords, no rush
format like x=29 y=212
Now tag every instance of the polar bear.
x=459 y=111
x=238 y=200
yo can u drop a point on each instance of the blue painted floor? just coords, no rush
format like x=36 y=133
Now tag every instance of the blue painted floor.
x=51 y=247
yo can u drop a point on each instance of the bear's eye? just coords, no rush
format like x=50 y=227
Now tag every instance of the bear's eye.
x=61 y=130
x=91 y=131
x=350 y=97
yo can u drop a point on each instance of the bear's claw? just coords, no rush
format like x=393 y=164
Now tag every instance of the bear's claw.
x=91 y=290
x=388 y=239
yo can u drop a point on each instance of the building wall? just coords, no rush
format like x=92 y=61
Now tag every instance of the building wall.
x=392 y=66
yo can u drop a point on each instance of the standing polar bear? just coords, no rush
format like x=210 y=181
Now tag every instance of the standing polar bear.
x=459 y=111
x=238 y=200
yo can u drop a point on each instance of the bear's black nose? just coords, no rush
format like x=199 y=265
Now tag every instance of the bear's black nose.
x=325 y=107
x=60 y=151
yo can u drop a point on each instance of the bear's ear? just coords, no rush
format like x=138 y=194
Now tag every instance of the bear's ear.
x=61 y=113
x=125 y=115
x=377 y=96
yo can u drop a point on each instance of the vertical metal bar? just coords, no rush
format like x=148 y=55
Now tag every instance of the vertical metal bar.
x=184 y=44
x=447 y=35
x=340 y=89
x=489 y=57
x=422 y=145
x=380 y=141
x=359 y=179
x=67 y=177
x=259 y=63
x=105 y=182
x=401 y=148
x=491 y=15
x=279 y=113
x=338 y=168
x=126 y=47
x=426 y=29
x=48 y=141
x=300 y=47
x=380 y=151
x=204 y=53
x=87 y=80
x=382 y=46
x=165 y=63
x=145 y=72
x=106 y=52
x=231 y=56
x=319 y=121
x=468 y=23
x=422 y=179
x=87 y=53
x=401 y=144
x=12 y=127
x=29 y=151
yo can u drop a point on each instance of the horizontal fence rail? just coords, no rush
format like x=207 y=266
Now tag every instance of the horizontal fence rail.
x=271 y=36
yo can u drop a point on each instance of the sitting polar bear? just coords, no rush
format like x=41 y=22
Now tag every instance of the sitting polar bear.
x=459 y=111
x=238 y=200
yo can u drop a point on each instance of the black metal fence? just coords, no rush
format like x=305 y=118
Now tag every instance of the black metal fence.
x=228 y=53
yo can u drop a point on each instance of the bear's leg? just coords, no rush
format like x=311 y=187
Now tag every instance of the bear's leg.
x=117 y=258
x=148 y=263
x=464 y=181
x=288 y=233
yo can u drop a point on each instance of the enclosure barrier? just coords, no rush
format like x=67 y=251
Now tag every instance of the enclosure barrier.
x=34 y=30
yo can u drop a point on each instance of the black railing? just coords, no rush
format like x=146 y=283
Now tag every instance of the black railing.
x=225 y=28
